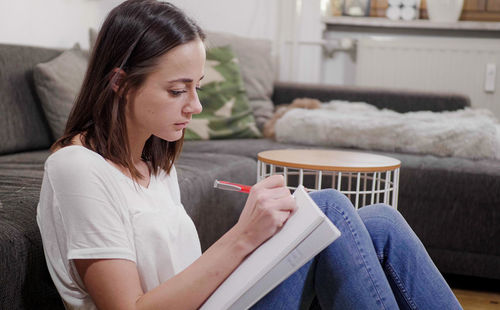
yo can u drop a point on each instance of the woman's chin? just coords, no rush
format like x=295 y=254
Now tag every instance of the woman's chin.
x=172 y=136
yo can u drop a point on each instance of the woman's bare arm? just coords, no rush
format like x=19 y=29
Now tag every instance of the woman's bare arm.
x=115 y=284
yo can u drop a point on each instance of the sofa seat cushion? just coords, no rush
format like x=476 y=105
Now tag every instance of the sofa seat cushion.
x=453 y=205
x=248 y=147
x=251 y=147
x=22 y=260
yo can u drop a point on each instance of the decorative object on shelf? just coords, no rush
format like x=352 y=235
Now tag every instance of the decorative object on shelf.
x=331 y=7
x=447 y=11
x=403 y=9
x=336 y=7
x=356 y=8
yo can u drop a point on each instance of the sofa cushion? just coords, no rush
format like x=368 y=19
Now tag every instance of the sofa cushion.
x=248 y=148
x=453 y=206
x=58 y=83
x=257 y=68
x=383 y=98
x=226 y=113
x=24 y=269
x=23 y=126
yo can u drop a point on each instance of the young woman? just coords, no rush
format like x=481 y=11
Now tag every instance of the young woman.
x=114 y=231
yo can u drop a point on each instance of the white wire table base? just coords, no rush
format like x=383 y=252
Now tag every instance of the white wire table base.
x=362 y=188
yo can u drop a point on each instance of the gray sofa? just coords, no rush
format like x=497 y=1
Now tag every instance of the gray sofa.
x=452 y=204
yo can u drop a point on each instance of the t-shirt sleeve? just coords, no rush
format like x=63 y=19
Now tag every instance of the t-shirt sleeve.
x=89 y=205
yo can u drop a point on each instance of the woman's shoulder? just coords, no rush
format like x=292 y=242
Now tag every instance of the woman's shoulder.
x=71 y=153
x=74 y=159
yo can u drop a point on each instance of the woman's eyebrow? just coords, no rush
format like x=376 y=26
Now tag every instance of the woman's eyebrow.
x=184 y=80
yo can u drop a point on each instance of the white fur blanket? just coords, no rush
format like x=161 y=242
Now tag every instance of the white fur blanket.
x=469 y=133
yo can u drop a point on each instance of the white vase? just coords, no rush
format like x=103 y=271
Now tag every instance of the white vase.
x=444 y=10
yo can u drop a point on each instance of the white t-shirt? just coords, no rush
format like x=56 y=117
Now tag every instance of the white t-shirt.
x=89 y=209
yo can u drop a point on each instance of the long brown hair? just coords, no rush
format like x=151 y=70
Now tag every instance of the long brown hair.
x=132 y=38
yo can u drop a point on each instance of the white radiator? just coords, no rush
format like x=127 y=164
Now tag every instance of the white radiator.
x=432 y=64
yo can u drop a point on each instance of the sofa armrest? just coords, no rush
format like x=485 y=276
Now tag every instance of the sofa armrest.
x=397 y=100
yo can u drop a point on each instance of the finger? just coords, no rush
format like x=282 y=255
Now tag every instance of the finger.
x=283 y=204
x=283 y=217
x=277 y=192
x=287 y=204
x=273 y=181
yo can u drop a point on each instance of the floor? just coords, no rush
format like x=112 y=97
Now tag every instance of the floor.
x=477 y=300
x=476 y=293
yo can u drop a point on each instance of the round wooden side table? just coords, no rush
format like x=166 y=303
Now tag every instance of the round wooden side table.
x=363 y=177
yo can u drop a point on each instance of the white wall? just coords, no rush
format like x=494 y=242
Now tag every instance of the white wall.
x=62 y=23
x=456 y=65
x=49 y=23
x=254 y=18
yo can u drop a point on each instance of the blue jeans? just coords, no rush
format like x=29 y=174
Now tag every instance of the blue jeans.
x=377 y=263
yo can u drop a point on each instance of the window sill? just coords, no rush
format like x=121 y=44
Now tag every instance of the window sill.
x=419 y=24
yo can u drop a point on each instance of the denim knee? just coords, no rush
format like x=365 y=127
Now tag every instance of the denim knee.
x=385 y=225
x=328 y=195
x=381 y=211
x=332 y=198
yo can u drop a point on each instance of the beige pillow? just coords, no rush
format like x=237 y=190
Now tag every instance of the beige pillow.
x=257 y=69
x=57 y=83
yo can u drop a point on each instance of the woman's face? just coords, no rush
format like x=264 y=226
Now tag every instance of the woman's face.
x=164 y=104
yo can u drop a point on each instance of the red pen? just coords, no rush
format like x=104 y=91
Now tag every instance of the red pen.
x=229 y=186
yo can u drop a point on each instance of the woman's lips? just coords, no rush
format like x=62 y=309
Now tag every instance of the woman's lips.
x=181 y=125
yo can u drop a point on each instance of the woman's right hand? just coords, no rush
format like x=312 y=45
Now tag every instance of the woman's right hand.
x=268 y=206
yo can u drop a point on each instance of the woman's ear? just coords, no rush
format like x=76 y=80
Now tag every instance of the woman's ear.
x=117 y=79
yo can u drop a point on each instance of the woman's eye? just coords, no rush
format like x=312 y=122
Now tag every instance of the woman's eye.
x=176 y=92
x=199 y=88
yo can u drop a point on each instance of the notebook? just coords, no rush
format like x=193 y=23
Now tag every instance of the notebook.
x=305 y=234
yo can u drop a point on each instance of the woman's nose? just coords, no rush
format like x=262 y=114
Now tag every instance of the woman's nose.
x=194 y=104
